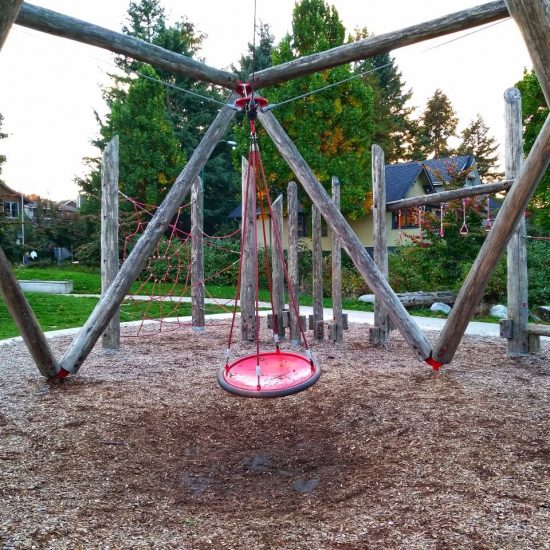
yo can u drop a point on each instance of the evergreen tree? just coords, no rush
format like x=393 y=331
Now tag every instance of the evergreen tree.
x=534 y=113
x=393 y=127
x=437 y=124
x=477 y=141
x=332 y=129
x=258 y=56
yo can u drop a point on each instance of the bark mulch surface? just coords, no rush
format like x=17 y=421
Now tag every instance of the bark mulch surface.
x=143 y=450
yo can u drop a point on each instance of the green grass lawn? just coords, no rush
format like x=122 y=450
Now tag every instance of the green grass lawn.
x=55 y=312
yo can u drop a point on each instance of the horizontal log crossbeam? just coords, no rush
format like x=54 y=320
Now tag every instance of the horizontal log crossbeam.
x=436 y=199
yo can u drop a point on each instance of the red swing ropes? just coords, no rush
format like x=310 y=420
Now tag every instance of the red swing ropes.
x=264 y=374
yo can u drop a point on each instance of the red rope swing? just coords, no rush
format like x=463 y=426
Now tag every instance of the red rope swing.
x=274 y=373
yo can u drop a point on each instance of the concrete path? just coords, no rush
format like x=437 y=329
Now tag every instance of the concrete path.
x=366 y=317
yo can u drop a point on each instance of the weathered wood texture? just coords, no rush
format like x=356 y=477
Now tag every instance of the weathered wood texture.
x=533 y=19
x=249 y=259
x=518 y=310
x=459 y=21
x=109 y=235
x=8 y=13
x=317 y=261
x=277 y=271
x=293 y=269
x=381 y=330
x=353 y=246
x=130 y=269
x=48 y=21
x=506 y=221
x=26 y=322
x=197 y=256
x=445 y=196
x=538 y=330
x=337 y=331
x=413 y=299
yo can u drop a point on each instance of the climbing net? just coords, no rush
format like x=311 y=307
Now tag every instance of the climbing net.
x=160 y=299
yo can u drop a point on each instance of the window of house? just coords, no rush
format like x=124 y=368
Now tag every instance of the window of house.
x=302 y=230
x=409 y=218
x=324 y=228
x=11 y=209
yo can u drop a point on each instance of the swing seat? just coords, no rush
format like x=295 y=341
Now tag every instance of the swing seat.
x=281 y=373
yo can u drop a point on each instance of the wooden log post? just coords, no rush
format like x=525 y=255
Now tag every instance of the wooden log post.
x=380 y=333
x=109 y=236
x=518 y=310
x=248 y=271
x=277 y=271
x=51 y=22
x=197 y=256
x=336 y=329
x=131 y=268
x=505 y=223
x=350 y=242
x=317 y=260
x=293 y=270
x=26 y=322
x=355 y=51
x=8 y=14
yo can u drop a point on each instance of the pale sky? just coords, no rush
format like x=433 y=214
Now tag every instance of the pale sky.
x=50 y=86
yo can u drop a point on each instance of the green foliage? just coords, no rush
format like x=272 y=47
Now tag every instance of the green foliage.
x=331 y=129
x=258 y=56
x=2 y=136
x=438 y=123
x=477 y=141
x=534 y=113
x=538 y=265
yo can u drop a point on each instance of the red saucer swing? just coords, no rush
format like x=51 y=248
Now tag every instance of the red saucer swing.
x=274 y=373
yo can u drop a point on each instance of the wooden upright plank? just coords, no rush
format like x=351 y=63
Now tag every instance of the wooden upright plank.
x=8 y=14
x=350 y=242
x=131 y=268
x=26 y=322
x=516 y=258
x=533 y=19
x=248 y=234
x=317 y=260
x=355 y=51
x=197 y=256
x=48 y=21
x=293 y=269
x=508 y=217
x=381 y=332
x=109 y=235
x=277 y=271
x=336 y=264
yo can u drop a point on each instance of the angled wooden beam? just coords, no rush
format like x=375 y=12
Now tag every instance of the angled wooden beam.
x=51 y=22
x=26 y=322
x=131 y=268
x=510 y=212
x=533 y=19
x=350 y=242
x=465 y=19
x=446 y=196
x=8 y=12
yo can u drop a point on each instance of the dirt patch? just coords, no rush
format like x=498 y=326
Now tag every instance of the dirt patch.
x=143 y=450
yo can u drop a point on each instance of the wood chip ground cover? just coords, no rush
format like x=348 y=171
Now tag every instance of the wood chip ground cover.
x=143 y=450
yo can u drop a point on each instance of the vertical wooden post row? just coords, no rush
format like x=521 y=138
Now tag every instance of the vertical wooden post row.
x=380 y=333
x=336 y=328
x=26 y=322
x=248 y=272
x=277 y=271
x=518 y=310
x=293 y=271
x=8 y=14
x=317 y=323
x=197 y=256
x=109 y=235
